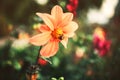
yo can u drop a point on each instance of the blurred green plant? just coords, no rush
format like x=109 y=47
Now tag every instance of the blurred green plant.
x=60 y=78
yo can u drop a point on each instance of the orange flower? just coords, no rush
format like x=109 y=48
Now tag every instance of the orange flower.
x=58 y=28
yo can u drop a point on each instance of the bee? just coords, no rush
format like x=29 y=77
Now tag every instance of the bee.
x=61 y=37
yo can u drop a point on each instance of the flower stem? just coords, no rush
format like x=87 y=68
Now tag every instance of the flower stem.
x=38 y=55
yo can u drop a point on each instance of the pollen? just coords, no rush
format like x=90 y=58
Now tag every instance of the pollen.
x=58 y=34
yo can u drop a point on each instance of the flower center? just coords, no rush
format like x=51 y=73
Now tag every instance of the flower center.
x=58 y=34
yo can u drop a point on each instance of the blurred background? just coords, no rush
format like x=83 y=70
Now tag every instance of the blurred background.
x=92 y=54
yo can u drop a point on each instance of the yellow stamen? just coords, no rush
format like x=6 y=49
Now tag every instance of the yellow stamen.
x=58 y=34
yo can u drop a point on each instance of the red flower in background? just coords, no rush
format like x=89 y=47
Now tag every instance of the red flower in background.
x=72 y=6
x=100 y=43
x=42 y=62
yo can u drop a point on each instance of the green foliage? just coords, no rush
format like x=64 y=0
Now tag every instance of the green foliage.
x=61 y=78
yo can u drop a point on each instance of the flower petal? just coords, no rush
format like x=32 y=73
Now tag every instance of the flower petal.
x=64 y=42
x=44 y=28
x=40 y=39
x=47 y=19
x=57 y=13
x=70 y=28
x=69 y=34
x=67 y=17
x=50 y=49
